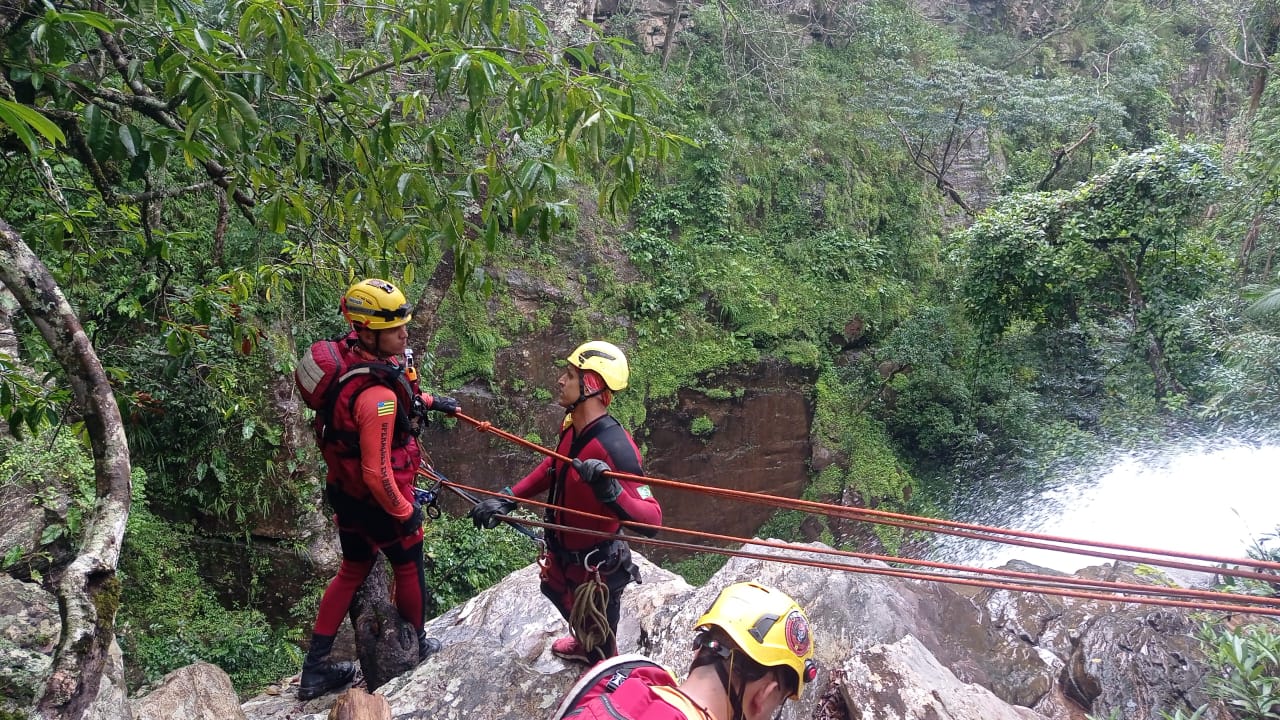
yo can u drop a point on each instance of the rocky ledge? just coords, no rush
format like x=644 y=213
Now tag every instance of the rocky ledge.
x=889 y=648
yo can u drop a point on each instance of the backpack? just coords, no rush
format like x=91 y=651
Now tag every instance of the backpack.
x=619 y=688
x=324 y=369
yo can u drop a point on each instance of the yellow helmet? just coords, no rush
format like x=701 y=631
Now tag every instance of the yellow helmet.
x=606 y=359
x=768 y=626
x=376 y=305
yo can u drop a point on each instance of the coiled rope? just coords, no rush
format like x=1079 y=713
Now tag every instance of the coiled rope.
x=947 y=572
x=588 y=619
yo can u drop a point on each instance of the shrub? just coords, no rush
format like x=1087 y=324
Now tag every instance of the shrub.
x=697 y=569
x=169 y=617
x=462 y=560
x=702 y=426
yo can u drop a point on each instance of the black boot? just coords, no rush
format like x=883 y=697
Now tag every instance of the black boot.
x=319 y=676
x=427 y=646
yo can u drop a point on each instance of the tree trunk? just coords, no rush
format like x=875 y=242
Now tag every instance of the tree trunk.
x=1166 y=383
x=669 y=42
x=1260 y=76
x=356 y=704
x=426 y=316
x=86 y=679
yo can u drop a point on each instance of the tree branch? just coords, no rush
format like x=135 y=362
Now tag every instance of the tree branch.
x=144 y=102
x=86 y=679
x=162 y=193
x=1060 y=157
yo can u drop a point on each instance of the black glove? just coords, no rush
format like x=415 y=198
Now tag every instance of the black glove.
x=592 y=472
x=413 y=522
x=485 y=513
x=442 y=403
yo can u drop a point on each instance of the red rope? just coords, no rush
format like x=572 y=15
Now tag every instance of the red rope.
x=950 y=527
x=932 y=524
x=1032 y=582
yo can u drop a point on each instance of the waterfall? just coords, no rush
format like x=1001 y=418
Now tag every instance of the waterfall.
x=1208 y=495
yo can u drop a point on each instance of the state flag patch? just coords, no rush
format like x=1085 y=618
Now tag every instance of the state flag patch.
x=386 y=407
x=644 y=492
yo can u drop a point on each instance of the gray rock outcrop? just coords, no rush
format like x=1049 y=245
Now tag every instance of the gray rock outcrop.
x=902 y=649
x=29 y=632
x=195 y=692
x=887 y=647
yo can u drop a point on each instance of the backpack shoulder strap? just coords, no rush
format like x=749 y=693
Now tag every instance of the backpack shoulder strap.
x=384 y=373
x=604 y=423
x=605 y=677
x=562 y=468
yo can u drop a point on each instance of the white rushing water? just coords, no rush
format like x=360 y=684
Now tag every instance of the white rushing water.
x=1207 y=496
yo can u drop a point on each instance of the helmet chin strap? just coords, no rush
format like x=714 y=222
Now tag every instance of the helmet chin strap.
x=376 y=350
x=735 y=694
x=724 y=670
x=583 y=395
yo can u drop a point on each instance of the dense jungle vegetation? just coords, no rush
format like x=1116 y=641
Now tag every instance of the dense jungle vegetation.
x=996 y=232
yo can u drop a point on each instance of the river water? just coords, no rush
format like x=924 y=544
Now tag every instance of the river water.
x=1209 y=495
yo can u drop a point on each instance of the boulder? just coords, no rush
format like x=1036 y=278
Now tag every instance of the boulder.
x=904 y=681
x=196 y=692
x=29 y=632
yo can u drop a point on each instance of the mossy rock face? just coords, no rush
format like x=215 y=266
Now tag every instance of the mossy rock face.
x=29 y=633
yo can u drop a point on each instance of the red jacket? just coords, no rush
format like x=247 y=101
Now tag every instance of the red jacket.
x=646 y=692
x=384 y=469
x=606 y=440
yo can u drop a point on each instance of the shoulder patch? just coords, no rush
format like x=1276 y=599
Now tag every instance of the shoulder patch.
x=644 y=492
x=386 y=407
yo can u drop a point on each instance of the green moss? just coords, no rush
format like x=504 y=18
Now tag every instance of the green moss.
x=829 y=483
x=702 y=426
x=784 y=525
x=107 y=603
x=697 y=569
x=720 y=393
x=472 y=332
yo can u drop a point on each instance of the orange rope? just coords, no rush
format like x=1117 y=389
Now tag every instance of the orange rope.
x=1031 y=582
x=950 y=527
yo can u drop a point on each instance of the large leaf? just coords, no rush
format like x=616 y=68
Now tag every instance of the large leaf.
x=22 y=120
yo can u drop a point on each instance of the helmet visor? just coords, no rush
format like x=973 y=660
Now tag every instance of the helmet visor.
x=404 y=312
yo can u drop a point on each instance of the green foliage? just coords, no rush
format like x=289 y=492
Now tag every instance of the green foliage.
x=868 y=466
x=207 y=401
x=24 y=403
x=1244 y=660
x=463 y=560
x=784 y=525
x=219 y=170
x=956 y=396
x=56 y=470
x=1239 y=380
x=1246 y=664
x=702 y=426
x=476 y=339
x=170 y=616
x=320 y=136
x=1118 y=248
x=698 y=568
